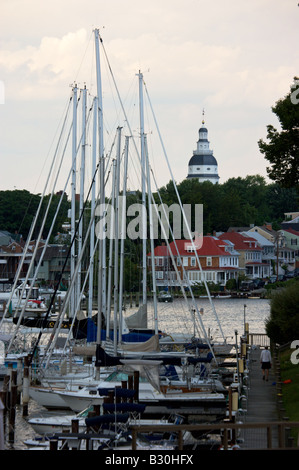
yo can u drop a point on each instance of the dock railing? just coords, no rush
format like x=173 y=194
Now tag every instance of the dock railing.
x=281 y=428
x=258 y=339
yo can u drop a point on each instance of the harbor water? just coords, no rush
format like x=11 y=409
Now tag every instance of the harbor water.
x=220 y=320
x=231 y=315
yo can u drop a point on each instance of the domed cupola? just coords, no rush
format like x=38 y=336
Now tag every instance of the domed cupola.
x=203 y=165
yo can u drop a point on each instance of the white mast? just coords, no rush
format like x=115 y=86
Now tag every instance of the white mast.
x=111 y=243
x=116 y=242
x=122 y=235
x=143 y=169
x=92 y=208
x=73 y=196
x=82 y=177
x=149 y=195
x=102 y=243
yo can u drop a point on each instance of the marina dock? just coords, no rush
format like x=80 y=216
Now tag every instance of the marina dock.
x=262 y=404
x=257 y=420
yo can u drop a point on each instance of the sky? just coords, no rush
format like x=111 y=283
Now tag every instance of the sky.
x=234 y=59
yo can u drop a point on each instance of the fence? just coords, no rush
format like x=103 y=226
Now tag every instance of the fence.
x=227 y=432
x=258 y=339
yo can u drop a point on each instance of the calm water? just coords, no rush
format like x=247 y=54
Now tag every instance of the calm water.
x=175 y=318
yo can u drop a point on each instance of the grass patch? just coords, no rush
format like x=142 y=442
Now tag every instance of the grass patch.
x=290 y=391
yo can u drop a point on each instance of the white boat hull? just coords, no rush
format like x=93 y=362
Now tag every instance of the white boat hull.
x=79 y=401
x=48 y=398
x=55 y=424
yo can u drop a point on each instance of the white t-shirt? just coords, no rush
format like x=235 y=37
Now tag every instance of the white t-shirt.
x=265 y=355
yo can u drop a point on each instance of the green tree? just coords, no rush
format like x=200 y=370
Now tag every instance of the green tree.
x=279 y=200
x=17 y=210
x=282 y=149
x=283 y=324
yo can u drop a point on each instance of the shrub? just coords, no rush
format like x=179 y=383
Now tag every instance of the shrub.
x=282 y=325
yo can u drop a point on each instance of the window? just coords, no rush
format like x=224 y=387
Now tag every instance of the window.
x=194 y=275
x=193 y=261
x=209 y=276
x=209 y=261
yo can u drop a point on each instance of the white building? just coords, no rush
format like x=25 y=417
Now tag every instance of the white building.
x=268 y=253
x=203 y=165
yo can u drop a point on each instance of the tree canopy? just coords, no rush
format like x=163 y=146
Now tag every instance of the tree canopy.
x=282 y=148
x=237 y=202
x=283 y=324
x=19 y=207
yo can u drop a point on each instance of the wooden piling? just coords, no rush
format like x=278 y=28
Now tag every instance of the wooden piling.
x=75 y=430
x=13 y=403
x=136 y=384
x=130 y=386
x=25 y=397
x=53 y=444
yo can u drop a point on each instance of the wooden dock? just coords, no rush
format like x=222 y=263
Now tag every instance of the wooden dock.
x=262 y=404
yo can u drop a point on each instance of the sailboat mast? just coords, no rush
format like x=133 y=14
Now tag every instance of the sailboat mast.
x=149 y=196
x=82 y=178
x=73 y=196
x=111 y=243
x=116 y=242
x=122 y=235
x=143 y=182
x=102 y=242
x=92 y=208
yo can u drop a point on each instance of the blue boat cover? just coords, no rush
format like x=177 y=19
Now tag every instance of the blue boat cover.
x=107 y=419
x=104 y=360
x=118 y=392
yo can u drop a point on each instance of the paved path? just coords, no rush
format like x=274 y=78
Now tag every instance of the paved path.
x=261 y=405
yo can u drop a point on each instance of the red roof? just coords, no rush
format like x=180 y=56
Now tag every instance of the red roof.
x=161 y=250
x=208 y=246
x=294 y=232
x=240 y=241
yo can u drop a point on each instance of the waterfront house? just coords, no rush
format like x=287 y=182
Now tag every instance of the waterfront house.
x=52 y=264
x=268 y=253
x=250 y=261
x=218 y=259
x=291 y=221
x=10 y=257
x=289 y=251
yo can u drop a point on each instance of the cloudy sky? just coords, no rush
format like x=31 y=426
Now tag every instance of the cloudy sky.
x=232 y=58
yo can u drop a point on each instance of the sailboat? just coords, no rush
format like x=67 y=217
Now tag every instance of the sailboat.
x=107 y=325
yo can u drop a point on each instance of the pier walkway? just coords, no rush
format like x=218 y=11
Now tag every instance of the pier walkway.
x=261 y=404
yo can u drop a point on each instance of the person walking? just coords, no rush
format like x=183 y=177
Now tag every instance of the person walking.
x=266 y=362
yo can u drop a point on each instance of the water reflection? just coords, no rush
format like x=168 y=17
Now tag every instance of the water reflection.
x=175 y=317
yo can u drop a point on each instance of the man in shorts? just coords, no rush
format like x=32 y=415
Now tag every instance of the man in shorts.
x=266 y=361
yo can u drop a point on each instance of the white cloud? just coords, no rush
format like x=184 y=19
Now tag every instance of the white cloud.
x=234 y=58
